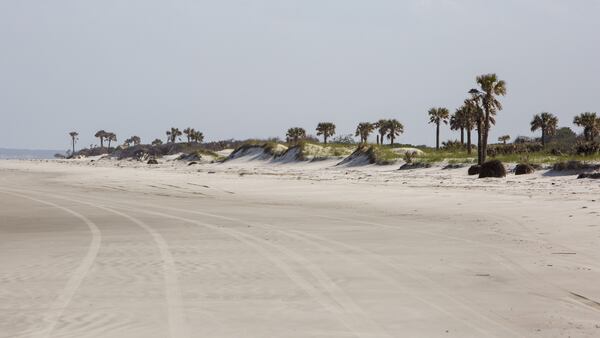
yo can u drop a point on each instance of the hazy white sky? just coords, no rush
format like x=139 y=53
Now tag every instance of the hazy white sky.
x=253 y=68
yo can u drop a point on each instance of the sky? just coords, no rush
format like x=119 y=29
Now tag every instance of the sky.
x=253 y=68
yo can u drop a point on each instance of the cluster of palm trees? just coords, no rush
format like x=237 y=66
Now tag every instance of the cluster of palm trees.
x=391 y=128
x=477 y=112
x=105 y=136
x=192 y=135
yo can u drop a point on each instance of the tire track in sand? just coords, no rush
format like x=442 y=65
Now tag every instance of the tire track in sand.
x=305 y=237
x=340 y=306
x=177 y=324
x=63 y=299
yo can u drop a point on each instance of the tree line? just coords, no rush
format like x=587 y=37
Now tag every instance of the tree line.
x=477 y=113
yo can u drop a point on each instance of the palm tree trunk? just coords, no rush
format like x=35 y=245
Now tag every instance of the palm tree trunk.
x=543 y=138
x=101 y=142
x=486 y=131
x=325 y=139
x=392 y=139
x=462 y=136
x=469 y=141
x=437 y=136
x=479 y=142
x=73 y=142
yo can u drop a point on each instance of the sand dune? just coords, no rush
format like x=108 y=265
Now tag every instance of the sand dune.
x=248 y=249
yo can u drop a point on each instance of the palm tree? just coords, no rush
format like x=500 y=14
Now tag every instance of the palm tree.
x=468 y=114
x=547 y=123
x=101 y=134
x=136 y=140
x=326 y=129
x=364 y=129
x=590 y=123
x=295 y=134
x=110 y=137
x=74 y=139
x=438 y=116
x=173 y=134
x=157 y=142
x=189 y=133
x=491 y=87
x=197 y=136
x=504 y=138
x=395 y=128
x=383 y=127
x=457 y=123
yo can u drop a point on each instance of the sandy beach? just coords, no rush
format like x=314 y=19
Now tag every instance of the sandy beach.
x=244 y=249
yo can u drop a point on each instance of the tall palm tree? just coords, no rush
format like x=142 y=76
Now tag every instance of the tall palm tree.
x=504 y=138
x=438 y=116
x=590 y=123
x=111 y=137
x=469 y=113
x=101 y=134
x=197 y=136
x=547 y=123
x=457 y=123
x=74 y=139
x=395 y=128
x=173 y=134
x=295 y=134
x=491 y=87
x=383 y=127
x=363 y=130
x=189 y=133
x=326 y=129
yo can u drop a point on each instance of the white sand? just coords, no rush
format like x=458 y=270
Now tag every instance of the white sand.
x=257 y=249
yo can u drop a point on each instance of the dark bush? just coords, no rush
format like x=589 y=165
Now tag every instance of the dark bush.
x=152 y=161
x=590 y=175
x=415 y=165
x=474 y=169
x=514 y=148
x=574 y=165
x=493 y=168
x=524 y=169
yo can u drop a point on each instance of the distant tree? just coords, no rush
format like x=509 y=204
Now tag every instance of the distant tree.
x=504 y=138
x=74 y=137
x=383 y=127
x=136 y=140
x=438 y=116
x=363 y=130
x=197 y=136
x=326 y=129
x=111 y=137
x=189 y=133
x=395 y=128
x=157 y=142
x=547 y=123
x=295 y=134
x=590 y=124
x=101 y=134
x=173 y=134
